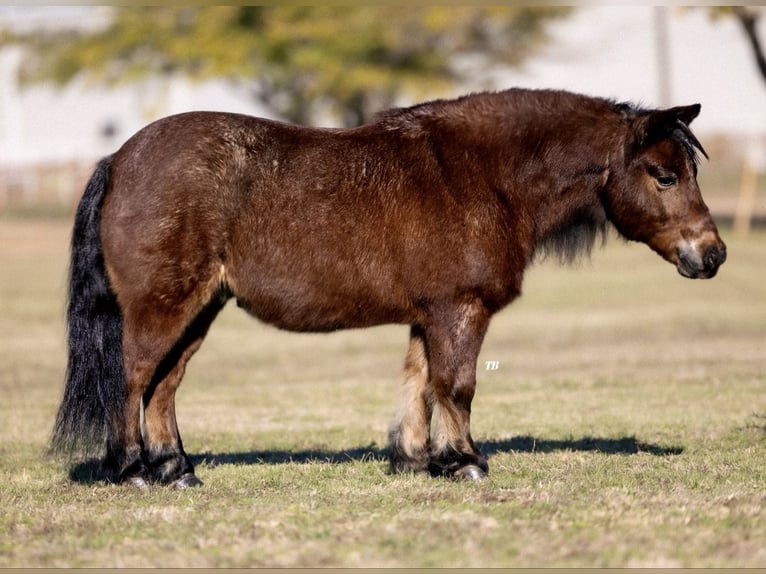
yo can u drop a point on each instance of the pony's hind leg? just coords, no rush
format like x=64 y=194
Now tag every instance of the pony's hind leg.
x=163 y=449
x=408 y=437
x=124 y=455
x=158 y=340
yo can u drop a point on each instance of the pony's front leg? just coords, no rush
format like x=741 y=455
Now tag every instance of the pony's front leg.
x=408 y=437
x=454 y=341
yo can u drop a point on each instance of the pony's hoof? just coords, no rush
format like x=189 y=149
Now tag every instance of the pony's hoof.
x=188 y=480
x=138 y=482
x=470 y=472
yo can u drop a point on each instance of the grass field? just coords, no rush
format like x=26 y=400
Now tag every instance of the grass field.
x=626 y=426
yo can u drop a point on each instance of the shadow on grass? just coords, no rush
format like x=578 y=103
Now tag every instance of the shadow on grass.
x=624 y=445
x=90 y=471
x=373 y=453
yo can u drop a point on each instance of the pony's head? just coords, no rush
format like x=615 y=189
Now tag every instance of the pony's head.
x=652 y=194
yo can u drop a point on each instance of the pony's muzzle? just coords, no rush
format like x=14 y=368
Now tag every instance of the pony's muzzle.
x=703 y=263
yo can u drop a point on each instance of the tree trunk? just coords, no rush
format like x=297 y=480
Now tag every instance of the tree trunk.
x=749 y=18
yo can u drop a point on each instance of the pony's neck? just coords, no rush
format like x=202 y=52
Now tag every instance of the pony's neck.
x=556 y=167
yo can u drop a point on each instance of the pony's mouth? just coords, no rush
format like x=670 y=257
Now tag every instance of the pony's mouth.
x=694 y=264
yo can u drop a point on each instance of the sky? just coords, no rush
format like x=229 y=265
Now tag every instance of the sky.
x=604 y=50
x=610 y=51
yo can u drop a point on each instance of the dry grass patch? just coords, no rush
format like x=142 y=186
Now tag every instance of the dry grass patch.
x=625 y=427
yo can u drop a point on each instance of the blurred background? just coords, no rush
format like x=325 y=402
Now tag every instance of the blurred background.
x=77 y=81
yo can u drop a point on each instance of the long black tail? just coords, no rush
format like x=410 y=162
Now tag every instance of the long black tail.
x=95 y=379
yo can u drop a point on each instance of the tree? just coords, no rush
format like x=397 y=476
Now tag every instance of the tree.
x=748 y=17
x=350 y=60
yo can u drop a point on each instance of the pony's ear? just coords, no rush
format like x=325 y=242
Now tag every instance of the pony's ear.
x=658 y=125
x=685 y=114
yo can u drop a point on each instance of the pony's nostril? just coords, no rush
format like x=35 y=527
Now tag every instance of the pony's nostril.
x=714 y=257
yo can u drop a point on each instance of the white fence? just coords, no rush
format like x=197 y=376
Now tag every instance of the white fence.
x=59 y=183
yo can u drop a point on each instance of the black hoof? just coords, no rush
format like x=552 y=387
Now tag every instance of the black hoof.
x=459 y=465
x=138 y=482
x=135 y=475
x=188 y=480
x=470 y=472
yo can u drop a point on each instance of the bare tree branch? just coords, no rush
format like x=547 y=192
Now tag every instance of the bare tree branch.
x=748 y=19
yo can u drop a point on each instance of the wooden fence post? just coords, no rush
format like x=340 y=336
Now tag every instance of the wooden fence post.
x=746 y=201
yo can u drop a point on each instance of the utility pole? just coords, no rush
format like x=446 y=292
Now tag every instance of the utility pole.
x=662 y=50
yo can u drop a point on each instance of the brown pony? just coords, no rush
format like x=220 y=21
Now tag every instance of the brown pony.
x=426 y=216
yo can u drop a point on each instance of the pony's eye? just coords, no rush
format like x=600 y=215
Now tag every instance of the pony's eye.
x=666 y=180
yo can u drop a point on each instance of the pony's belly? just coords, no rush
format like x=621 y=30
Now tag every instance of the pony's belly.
x=320 y=310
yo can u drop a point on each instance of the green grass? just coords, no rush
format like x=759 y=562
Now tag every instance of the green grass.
x=626 y=426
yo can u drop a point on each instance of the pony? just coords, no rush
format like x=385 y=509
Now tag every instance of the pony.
x=426 y=216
